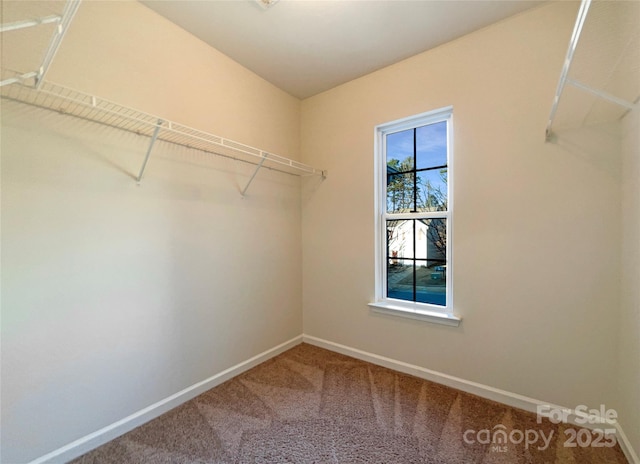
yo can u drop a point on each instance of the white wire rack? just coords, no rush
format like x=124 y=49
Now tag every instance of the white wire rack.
x=600 y=76
x=61 y=19
x=46 y=23
x=72 y=102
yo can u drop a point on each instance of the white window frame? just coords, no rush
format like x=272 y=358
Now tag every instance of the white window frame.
x=411 y=309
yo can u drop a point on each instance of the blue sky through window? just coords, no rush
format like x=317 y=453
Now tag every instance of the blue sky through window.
x=431 y=145
x=429 y=158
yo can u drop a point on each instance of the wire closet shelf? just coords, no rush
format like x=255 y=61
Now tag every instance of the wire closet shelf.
x=30 y=87
x=72 y=102
x=600 y=76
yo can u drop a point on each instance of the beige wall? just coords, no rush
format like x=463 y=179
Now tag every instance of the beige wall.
x=114 y=295
x=536 y=256
x=125 y=52
x=629 y=360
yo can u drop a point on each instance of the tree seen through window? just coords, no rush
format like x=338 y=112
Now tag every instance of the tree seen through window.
x=417 y=184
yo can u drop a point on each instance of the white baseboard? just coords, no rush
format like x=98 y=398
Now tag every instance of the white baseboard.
x=627 y=449
x=484 y=391
x=108 y=433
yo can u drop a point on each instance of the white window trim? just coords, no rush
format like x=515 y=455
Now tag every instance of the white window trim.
x=414 y=310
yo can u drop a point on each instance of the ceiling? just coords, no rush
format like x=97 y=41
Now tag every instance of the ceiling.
x=305 y=47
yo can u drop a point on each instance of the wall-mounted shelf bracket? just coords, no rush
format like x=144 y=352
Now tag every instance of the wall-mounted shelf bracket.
x=15 y=25
x=573 y=44
x=246 y=187
x=19 y=79
x=69 y=11
x=154 y=137
x=602 y=94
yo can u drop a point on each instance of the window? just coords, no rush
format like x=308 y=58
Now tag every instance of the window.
x=413 y=217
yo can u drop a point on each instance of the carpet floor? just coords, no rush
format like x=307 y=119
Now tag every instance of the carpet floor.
x=310 y=405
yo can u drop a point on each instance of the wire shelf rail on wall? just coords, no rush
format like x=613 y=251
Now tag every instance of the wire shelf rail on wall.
x=72 y=102
x=22 y=79
x=600 y=77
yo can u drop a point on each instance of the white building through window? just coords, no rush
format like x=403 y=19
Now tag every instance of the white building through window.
x=413 y=217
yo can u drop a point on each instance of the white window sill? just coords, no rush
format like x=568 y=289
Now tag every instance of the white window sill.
x=421 y=315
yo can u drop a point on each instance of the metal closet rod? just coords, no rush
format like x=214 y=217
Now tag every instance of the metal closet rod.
x=564 y=75
x=72 y=102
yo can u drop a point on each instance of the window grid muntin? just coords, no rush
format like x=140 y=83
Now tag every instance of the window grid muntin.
x=414 y=259
x=414 y=170
x=435 y=117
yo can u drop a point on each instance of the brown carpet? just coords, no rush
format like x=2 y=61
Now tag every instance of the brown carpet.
x=310 y=405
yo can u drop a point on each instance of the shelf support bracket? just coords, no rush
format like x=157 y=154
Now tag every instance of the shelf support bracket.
x=573 y=43
x=16 y=25
x=19 y=79
x=154 y=137
x=602 y=94
x=70 y=9
x=264 y=157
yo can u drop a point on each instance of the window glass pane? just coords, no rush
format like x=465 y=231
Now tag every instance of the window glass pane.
x=400 y=151
x=400 y=188
x=400 y=239
x=432 y=190
x=417 y=260
x=400 y=279
x=416 y=180
x=431 y=239
x=431 y=282
x=431 y=145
